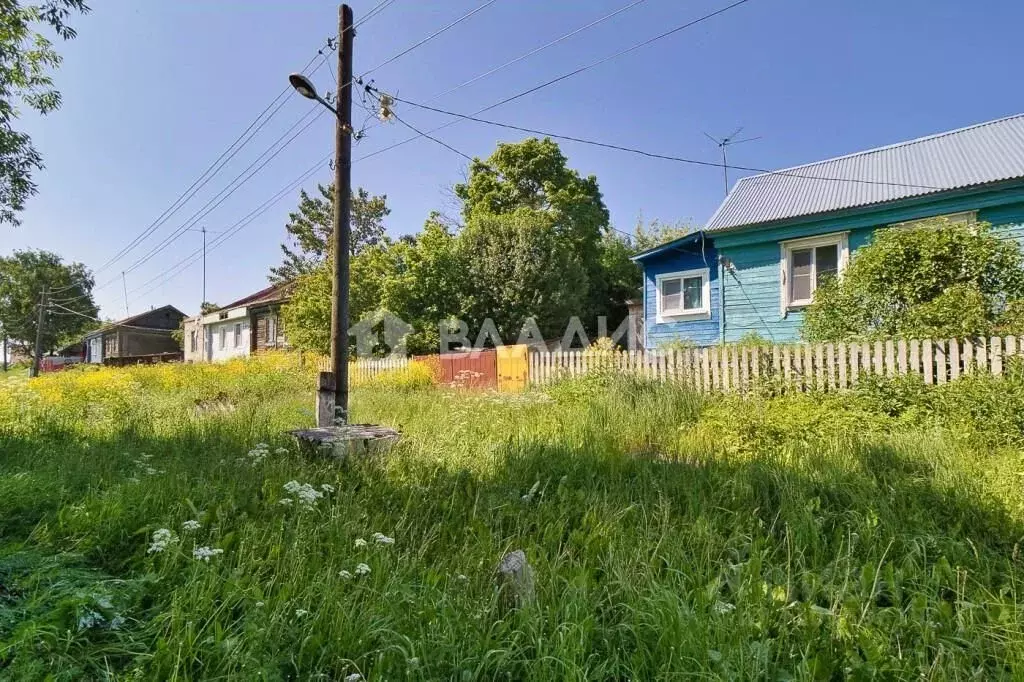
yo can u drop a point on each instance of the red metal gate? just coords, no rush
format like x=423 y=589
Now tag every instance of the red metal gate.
x=475 y=369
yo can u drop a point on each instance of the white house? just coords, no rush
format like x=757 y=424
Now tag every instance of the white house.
x=244 y=327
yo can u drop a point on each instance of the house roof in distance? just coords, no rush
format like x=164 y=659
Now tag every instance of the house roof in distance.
x=977 y=155
x=272 y=294
x=130 y=321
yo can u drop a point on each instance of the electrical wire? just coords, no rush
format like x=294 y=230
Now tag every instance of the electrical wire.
x=194 y=257
x=108 y=324
x=564 y=76
x=430 y=37
x=218 y=199
x=653 y=155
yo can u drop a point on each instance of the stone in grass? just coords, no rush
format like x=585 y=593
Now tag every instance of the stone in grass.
x=515 y=582
x=338 y=442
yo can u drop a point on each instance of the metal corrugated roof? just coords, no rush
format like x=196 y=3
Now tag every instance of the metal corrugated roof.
x=976 y=155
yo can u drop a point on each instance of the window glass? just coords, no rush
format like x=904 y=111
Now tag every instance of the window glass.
x=671 y=290
x=238 y=335
x=222 y=336
x=800 y=287
x=693 y=290
x=826 y=263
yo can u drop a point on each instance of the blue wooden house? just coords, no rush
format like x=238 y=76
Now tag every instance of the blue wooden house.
x=755 y=265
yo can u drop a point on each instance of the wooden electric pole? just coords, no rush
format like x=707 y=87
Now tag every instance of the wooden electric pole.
x=38 y=355
x=342 y=214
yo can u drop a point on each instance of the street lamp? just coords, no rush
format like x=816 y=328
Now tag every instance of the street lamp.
x=305 y=87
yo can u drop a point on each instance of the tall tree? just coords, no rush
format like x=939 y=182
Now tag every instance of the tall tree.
x=26 y=60
x=535 y=175
x=519 y=268
x=310 y=228
x=23 y=276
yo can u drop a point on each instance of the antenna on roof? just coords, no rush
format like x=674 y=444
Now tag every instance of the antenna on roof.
x=724 y=144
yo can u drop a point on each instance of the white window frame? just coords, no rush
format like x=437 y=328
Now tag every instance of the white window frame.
x=786 y=248
x=193 y=340
x=222 y=334
x=238 y=334
x=678 y=315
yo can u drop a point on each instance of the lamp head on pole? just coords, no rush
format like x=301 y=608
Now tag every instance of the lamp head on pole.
x=303 y=86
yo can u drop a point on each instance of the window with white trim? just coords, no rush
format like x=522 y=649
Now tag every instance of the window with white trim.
x=238 y=334
x=194 y=340
x=684 y=295
x=222 y=336
x=808 y=263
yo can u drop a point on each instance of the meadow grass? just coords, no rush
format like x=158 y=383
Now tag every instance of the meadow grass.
x=870 y=536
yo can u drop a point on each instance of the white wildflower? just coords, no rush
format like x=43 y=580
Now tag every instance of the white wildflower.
x=116 y=622
x=414 y=662
x=262 y=446
x=362 y=569
x=299 y=613
x=327 y=488
x=162 y=538
x=360 y=543
x=149 y=471
x=306 y=494
x=90 y=619
x=204 y=553
x=259 y=605
x=382 y=539
x=345 y=575
x=461 y=578
x=191 y=524
x=354 y=677
x=281 y=451
x=145 y=456
x=286 y=501
x=724 y=607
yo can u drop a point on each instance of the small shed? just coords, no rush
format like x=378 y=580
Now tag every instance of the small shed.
x=143 y=335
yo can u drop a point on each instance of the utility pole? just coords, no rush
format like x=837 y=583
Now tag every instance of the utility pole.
x=38 y=355
x=125 y=285
x=342 y=215
x=203 y=230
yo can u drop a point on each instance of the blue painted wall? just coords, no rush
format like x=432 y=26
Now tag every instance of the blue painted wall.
x=700 y=332
x=752 y=285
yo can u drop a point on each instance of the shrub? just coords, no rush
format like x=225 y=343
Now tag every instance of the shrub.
x=938 y=279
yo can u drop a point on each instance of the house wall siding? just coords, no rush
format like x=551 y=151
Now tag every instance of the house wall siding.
x=230 y=349
x=699 y=332
x=752 y=286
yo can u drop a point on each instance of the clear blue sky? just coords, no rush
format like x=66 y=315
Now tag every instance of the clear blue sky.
x=155 y=91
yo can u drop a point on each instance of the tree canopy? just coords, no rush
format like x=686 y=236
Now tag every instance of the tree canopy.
x=22 y=277
x=310 y=227
x=936 y=279
x=535 y=244
x=27 y=59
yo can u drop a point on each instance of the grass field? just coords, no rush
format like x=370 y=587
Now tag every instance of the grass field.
x=157 y=523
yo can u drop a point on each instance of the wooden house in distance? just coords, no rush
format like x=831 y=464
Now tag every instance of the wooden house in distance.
x=244 y=327
x=146 y=337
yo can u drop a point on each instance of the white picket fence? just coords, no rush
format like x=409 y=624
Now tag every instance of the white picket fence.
x=824 y=366
x=364 y=369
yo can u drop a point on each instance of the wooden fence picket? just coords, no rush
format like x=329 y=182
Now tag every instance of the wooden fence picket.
x=996 y=355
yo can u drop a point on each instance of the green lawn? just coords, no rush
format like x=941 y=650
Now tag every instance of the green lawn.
x=874 y=536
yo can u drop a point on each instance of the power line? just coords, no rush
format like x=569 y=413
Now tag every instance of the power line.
x=69 y=311
x=192 y=258
x=653 y=155
x=569 y=74
x=537 y=49
x=430 y=37
x=228 y=190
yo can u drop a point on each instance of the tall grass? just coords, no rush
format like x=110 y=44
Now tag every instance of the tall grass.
x=671 y=535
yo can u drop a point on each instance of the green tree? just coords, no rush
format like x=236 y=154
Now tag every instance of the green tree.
x=938 y=279
x=311 y=226
x=534 y=174
x=22 y=277
x=26 y=59
x=655 y=233
x=518 y=266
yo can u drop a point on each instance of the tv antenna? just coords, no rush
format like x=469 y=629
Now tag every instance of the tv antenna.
x=724 y=144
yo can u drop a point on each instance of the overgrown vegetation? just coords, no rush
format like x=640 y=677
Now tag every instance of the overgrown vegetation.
x=146 y=532
x=936 y=279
